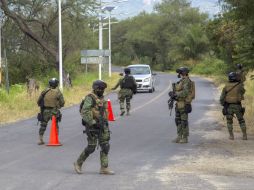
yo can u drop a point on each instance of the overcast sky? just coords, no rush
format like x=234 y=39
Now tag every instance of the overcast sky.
x=133 y=7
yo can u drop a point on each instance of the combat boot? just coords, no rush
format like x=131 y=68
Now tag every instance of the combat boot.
x=128 y=112
x=177 y=139
x=244 y=133
x=184 y=140
x=77 y=168
x=41 y=142
x=106 y=171
x=231 y=135
x=122 y=113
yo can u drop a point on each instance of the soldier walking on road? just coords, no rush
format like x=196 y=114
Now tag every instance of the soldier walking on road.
x=93 y=110
x=50 y=102
x=231 y=97
x=183 y=93
x=128 y=88
x=241 y=74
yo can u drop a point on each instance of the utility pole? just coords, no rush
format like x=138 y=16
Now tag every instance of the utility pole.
x=100 y=38
x=109 y=43
x=60 y=45
x=7 y=83
x=0 y=52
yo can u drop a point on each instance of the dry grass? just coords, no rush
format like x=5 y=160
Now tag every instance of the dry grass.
x=17 y=105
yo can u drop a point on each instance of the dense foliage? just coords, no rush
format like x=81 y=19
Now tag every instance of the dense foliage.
x=174 y=34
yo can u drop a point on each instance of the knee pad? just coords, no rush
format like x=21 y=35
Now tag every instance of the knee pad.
x=105 y=148
x=90 y=149
x=184 y=123
x=177 y=121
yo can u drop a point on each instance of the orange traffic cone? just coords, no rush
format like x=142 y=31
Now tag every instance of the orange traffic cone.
x=110 y=112
x=53 y=139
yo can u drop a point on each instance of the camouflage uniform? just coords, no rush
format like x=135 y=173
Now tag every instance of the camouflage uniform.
x=241 y=75
x=231 y=97
x=125 y=93
x=183 y=88
x=91 y=114
x=53 y=101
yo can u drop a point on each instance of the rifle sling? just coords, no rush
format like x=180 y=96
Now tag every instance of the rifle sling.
x=232 y=88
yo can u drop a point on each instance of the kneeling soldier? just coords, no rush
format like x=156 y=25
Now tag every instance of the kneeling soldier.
x=94 y=114
x=231 y=97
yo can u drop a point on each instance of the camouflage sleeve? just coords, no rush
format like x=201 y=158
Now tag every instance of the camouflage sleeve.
x=60 y=98
x=242 y=90
x=86 y=111
x=223 y=96
x=186 y=89
x=118 y=84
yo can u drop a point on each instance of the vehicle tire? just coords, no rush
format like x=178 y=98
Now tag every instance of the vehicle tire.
x=150 y=91
x=153 y=89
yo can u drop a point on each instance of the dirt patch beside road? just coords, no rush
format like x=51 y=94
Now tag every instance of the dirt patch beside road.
x=216 y=160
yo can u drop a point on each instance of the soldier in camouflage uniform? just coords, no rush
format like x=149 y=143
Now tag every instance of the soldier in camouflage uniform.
x=181 y=94
x=95 y=118
x=53 y=100
x=128 y=88
x=231 y=97
x=241 y=74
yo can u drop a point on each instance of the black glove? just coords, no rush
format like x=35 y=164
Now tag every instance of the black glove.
x=172 y=94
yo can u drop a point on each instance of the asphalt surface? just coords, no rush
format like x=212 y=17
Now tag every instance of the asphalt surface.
x=140 y=147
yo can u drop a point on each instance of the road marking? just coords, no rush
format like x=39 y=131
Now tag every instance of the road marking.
x=149 y=102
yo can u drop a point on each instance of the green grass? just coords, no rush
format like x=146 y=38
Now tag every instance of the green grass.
x=18 y=105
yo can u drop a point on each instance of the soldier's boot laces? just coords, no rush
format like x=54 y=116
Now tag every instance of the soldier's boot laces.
x=244 y=134
x=106 y=171
x=77 y=168
x=41 y=142
x=177 y=139
x=184 y=140
x=122 y=113
x=231 y=135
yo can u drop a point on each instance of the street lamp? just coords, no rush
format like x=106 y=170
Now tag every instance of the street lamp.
x=101 y=30
x=1 y=15
x=109 y=9
x=60 y=45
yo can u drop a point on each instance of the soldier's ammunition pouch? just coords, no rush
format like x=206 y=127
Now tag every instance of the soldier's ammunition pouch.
x=59 y=116
x=40 y=117
x=225 y=109
x=188 y=108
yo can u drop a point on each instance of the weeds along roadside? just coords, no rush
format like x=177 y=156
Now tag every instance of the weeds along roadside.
x=18 y=105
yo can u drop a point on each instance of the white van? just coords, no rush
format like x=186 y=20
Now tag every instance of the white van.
x=144 y=77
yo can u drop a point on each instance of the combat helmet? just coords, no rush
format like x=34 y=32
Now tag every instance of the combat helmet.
x=232 y=77
x=239 y=66
x=99 y=85
x=183 y=71
x=53 y=82
x=127 y=70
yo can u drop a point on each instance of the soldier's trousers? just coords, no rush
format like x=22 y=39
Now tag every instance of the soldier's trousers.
x=181 y=120
x=94 y=137
x=47 y=115
x=235 y=109
x=125 y=95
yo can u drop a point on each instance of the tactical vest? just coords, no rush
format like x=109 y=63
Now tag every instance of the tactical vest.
x=51 y=99
x=233 y=94
x=97 y=103
x=191 y=94
x=127 y=82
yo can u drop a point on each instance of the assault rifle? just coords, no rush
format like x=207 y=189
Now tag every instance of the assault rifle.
x=172 y=98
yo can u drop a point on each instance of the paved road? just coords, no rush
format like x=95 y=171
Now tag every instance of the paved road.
x=140 y=147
